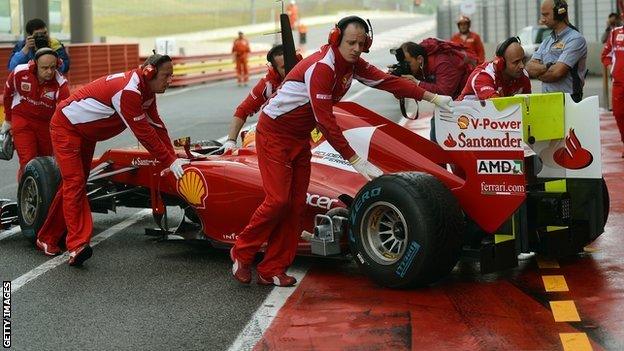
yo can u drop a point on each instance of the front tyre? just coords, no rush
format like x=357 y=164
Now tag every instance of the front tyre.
x=37 y=188
x=406 y=230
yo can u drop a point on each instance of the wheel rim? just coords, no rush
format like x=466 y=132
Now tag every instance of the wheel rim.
x=29 y=200
x=384 y=233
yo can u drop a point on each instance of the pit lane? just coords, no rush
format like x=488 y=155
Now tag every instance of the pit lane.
x=136 y=293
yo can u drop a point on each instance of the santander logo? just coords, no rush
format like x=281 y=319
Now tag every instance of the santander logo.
x=450 y=142
x=573 y=156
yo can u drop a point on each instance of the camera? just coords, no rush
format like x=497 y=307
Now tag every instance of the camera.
x=41 y=40
x=402 y=67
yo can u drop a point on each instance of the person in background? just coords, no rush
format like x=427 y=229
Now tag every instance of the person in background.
x=304 y=101
x=613 y=21
x=240 y=55
x=503 y=76
x=37 y=36
x=469 y=39
x=292 y=10
x=96 y=112
x=613 y=58
x=560 y=60
x=31 y=93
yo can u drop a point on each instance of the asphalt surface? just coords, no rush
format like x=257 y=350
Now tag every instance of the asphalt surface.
x=136 y=293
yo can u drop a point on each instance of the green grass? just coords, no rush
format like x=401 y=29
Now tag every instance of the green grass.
x=143 y=18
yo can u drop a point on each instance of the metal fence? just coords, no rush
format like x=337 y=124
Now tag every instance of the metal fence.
x=496 y=20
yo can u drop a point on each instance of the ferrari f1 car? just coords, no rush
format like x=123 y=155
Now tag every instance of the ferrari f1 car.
x=507 y=175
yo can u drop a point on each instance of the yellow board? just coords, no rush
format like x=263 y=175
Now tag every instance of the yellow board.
x=544 y=113
x=575 y=342
x=554 y=283
x=1 y=113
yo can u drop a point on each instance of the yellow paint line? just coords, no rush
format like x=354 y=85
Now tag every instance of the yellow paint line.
x=575 y=342
x=555 y=283
x=564 y=311
x=547 y=262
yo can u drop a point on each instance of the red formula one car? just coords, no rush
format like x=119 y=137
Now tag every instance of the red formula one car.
x=474 y=192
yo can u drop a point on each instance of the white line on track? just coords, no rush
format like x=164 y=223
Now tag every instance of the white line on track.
x=8 y=233
x=57 y=261
x=264 y=315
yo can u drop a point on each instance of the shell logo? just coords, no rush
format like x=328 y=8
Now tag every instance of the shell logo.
x=462 y=122
x=192 y=187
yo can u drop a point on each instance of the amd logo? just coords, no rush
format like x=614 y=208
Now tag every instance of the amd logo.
x=316 y=200
x=499 y=167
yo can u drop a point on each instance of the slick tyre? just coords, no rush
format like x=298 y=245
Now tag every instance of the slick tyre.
x=405 y=230
x=36 y=190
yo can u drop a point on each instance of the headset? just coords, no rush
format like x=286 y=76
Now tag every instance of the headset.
x=44 y=51
x=335 y=35
x=272 y=52
x=560 y=10
x=149 y=69
x=499 y=62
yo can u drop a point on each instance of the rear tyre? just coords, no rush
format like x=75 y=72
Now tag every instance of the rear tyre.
x=36 y=190
x=406 y=230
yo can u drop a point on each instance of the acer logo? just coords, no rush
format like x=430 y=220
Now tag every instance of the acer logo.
x=316 y=200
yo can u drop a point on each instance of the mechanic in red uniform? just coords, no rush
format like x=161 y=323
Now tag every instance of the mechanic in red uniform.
x=31 y=93
x=304 y=101
x=258 y=95
x=613 y=59
x=504 y=76
x=96 y=112
x=240 y=55
x=469 y=39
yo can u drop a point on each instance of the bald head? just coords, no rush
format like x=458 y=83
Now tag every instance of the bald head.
x=514 y=61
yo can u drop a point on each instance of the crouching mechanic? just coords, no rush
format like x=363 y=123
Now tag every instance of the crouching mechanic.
x=259 y=94
x=304 y=101
x=31 y=93
x=99 y=111
x=504 y=76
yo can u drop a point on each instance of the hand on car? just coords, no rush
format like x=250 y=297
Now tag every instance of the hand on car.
x=365 y=168
x=176 y=167
x=442 y=101
x=229 y=145
x=6 y=126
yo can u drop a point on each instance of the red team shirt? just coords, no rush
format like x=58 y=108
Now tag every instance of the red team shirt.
x=487 y=81
x=260 y=93
x=25 y=97
x=104 y=108
x=309 y=91
x=613 y=54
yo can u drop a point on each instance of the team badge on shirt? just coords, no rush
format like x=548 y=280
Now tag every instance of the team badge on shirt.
x=25 y=86
x=559 y=45
x=49 y=95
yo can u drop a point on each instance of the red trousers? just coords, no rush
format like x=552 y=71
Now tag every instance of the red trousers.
x=31 y=139
x=285 y=169
x=70 y=211
x=618 y=106
x=242 y=70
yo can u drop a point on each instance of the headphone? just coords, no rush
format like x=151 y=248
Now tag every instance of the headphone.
x=335 y=35
x=272 y=52
x=44 y=51
x=560 y=10
x=149 y=69
x=499 y=61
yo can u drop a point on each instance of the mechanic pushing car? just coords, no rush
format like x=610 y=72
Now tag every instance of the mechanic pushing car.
x=260 y=93
x=31 y=93
x=613 y=59
x=304 y=101
x=438 y=66
x=501 y=77
x=96 y=112
x=560 y=61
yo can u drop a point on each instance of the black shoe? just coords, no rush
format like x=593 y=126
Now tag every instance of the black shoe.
x=78 y=256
